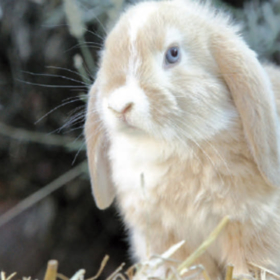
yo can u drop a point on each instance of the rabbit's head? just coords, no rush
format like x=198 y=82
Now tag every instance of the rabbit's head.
x=178 y=72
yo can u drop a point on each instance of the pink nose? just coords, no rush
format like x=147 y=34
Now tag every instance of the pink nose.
x=127 y=108
x=121 y=110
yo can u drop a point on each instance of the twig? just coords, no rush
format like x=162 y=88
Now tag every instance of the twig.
x=256 y=272
x=202 y=248
x=173 y=249
x=116 y=272
x=51 y=270
x=269 y=272
x=79 y=275
x=196 y=271
x=205 y=274
x=42 y=193
x=101 y=268
x=147 y=216
x=263 y=275
x=229 y=272
x=11 y=276
x=38 y=137
x=3 y=276
x=119 y=275
x=163 y=259
x=172 y=271
x=61 y=276
x=131 y=271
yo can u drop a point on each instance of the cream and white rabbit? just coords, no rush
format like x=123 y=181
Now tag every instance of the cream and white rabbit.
x=182 y=128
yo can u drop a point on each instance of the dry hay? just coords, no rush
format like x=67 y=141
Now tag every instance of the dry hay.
x=142 y=271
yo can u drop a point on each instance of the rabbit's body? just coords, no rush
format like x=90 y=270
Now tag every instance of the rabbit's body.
x=183 y=141
x=208 y=182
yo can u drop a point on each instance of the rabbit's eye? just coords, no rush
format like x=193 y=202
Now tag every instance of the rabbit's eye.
x=172 y=55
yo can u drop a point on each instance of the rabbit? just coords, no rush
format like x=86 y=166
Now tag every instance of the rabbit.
x=182 y=129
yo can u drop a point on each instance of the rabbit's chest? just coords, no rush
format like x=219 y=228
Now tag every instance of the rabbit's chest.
x=136 y=169
x=184 y=190
x=149 y=180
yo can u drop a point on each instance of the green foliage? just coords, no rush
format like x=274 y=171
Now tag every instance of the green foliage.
x=262 y=27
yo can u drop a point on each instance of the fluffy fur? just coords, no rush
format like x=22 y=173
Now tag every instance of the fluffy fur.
x=189 y=143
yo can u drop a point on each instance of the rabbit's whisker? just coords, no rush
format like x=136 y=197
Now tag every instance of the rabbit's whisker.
x=70 y=71
x=56 y=76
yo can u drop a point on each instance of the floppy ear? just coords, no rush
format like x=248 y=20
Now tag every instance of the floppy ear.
x=254 y=98
x=97 y=148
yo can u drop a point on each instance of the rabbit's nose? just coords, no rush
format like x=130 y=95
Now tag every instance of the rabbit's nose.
x=122 y=109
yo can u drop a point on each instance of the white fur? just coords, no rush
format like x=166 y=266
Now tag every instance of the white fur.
x=136 y=22
x=172 y=36
x=139 y=18
x=127 y=170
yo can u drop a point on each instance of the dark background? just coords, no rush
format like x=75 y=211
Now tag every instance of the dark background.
x=66 y=225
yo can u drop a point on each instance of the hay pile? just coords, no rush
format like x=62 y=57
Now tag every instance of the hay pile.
x=142 y=271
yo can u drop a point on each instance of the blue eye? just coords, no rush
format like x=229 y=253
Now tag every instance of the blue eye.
x=172 y=55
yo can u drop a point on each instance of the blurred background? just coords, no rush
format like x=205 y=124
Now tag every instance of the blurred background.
x=48 y=57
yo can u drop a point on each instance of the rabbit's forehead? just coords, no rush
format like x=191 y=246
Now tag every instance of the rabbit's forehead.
x=139 y=40
x=150 y=31
x=139 y=17
x=137 y=23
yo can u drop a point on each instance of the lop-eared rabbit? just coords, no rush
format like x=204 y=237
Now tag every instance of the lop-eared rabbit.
x=182 y=128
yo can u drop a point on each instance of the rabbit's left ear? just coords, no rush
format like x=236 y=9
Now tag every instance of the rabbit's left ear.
x=254 y=99
x=97 y=151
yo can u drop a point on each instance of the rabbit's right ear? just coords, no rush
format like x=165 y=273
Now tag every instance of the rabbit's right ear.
x=254 y=99
x=97 y=148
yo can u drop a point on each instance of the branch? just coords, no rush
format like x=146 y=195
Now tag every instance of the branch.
x=202 y=248
x=43 y=192
x=39 y=137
